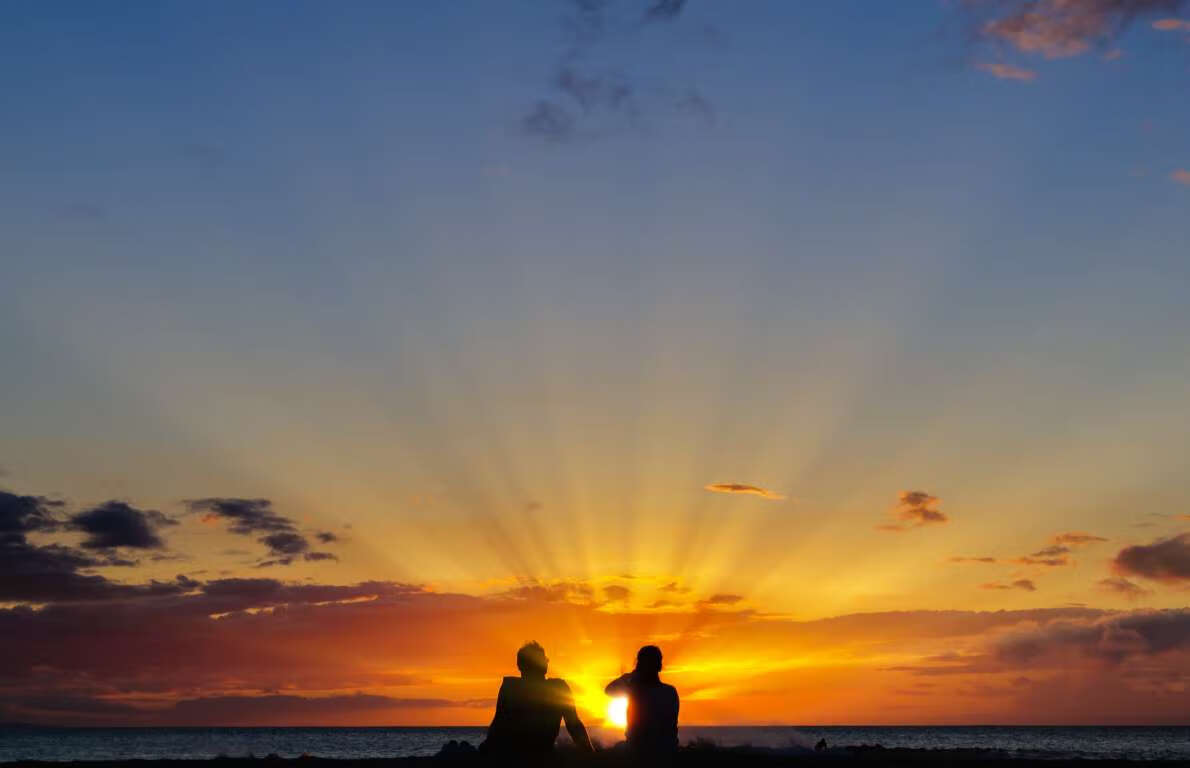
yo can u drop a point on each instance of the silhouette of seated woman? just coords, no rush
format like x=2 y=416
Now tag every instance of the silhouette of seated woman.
x=652 y=731
x=528 y=711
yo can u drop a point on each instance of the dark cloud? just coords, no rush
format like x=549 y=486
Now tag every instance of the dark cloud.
x=616 y=593
x=592 y=90
x=1165 y=560
x=1121 y=586
x=248 y=517
x=549 y=121
x=1024 y=584
x=720 y=598
x=673 y=586
x=751 y=490
x=116 y=524
x=231 y=710
x=960 y=559
x=285 y=543
x=664 y=10
x=915 y=509
x=54 y=572
x=244 y=516
x=1112 y=638
x=25 y=514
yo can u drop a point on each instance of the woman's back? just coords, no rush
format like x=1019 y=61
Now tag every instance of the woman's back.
x=652 y=717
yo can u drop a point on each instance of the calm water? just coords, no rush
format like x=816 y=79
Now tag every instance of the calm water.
x=1147 y=743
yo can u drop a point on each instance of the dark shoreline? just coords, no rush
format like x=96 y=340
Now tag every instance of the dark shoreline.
x=691 y=756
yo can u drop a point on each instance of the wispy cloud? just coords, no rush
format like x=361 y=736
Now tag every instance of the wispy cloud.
x=1171 y=25
x=1024 y=584
x=592 y=89
x=1007 y=71
x=751 y=490
x=1057 y=552
x=720 y=599
x=1181 y=176
x=249 y=517
x=1123 y=587
x=915 y=509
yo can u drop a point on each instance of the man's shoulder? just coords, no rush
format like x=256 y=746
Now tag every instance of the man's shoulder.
x=557 y=682
x=669 y=690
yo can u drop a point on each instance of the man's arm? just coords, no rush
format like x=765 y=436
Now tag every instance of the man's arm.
x=619 y=686
x=574 y=726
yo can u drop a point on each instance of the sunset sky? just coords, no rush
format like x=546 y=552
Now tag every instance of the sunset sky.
x=840 y=349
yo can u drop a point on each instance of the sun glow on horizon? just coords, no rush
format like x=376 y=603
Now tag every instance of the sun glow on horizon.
x=617 y=711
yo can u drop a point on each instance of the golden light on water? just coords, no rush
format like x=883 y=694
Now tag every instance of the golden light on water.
x=617 y=711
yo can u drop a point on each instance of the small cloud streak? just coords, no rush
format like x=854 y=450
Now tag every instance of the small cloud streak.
x=1056 y=553
x=751 y=490
x=1181 y=176
x=1123 y=587
x=720 y=599
x=1023 y=584
x=1004 y=71
x=1171 y=25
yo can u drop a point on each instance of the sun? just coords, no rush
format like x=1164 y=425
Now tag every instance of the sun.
x=617 y=711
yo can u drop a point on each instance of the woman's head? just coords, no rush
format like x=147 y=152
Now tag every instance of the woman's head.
x=648 y=660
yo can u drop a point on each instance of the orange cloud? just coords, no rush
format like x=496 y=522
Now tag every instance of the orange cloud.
x=1059 y=29
x=1181 y=176
x=1123 y=587
x=915 y=509
x=1007 y=71
x=1025 y=584
x=1169 y=25
x=752 y=490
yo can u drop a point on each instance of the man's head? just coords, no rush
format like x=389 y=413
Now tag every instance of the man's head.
x=531 y=660
x=648 y=660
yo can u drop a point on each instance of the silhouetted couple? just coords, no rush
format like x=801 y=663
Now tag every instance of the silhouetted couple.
x=530 y=707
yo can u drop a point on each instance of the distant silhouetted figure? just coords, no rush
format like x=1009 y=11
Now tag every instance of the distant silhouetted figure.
x=528 y=711
x=652 y=731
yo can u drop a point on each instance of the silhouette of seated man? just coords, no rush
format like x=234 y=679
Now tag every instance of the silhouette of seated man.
x=652 y=731
x=528 y=711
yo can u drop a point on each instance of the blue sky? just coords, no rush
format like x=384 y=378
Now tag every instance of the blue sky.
x=310 y=252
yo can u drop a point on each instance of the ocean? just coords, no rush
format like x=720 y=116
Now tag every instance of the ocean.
x=30 y=743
